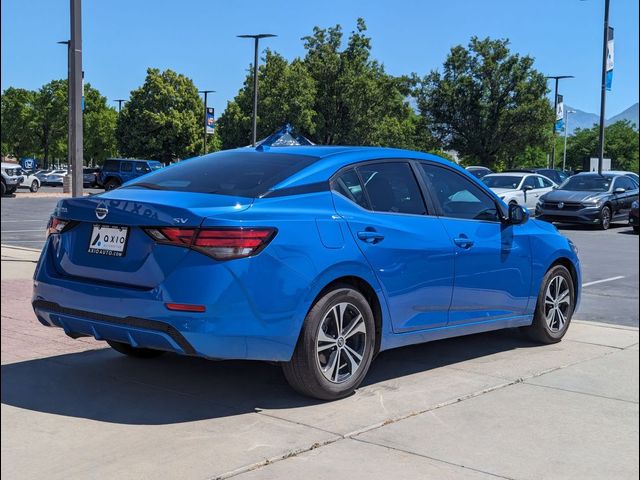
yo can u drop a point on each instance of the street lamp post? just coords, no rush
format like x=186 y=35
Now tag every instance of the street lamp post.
x=75 y=56
x=120 y=102
x=557 y=78
x=256 y=39
x=69 y=134
x=603 y=92
x=566 y=132
x=204 y=121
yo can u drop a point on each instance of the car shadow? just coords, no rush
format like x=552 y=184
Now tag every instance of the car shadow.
x=584 y=228
x=105 y=386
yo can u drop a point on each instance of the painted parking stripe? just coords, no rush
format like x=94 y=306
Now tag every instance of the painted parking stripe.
x=21 y=231
x=602 y=281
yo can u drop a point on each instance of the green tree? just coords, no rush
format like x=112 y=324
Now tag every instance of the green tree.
x=163 y=118
x=488 y=104
x=286 y=93
x=17 y=125
x=50 y=120
x=620 y=144
x=99 y=127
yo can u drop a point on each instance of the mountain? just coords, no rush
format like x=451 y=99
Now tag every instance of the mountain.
x=582 y=119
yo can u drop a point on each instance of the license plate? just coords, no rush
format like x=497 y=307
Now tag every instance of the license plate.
x=108 y=240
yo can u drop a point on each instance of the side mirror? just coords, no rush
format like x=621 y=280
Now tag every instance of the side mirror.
x=517 y=215
x=526 y=188
x=619 y=190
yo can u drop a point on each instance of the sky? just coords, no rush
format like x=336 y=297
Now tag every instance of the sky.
x=122 y=38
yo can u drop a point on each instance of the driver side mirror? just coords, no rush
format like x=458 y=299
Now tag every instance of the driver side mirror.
x=619 y=190
x=517 y=215
x=526 y=188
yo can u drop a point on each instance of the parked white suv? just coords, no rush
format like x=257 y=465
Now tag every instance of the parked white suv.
x=524 y=189
x=11 y=178
x=30 y=181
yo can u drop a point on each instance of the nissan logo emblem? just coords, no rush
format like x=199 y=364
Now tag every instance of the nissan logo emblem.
x=101 y=212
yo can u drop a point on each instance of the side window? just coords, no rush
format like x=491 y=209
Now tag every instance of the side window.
x=545 y=182
x=626 y=183
x=142 y=168
x=530 y=182
x=110 y=166
x=126 y=167
x=457 y=196
x=348 y=185
x=392 y=187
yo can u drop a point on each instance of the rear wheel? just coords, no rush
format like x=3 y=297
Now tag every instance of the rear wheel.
x=556 y=302
x=335 y=347
x=111 y=184
x=136 y=352
x=34 y=186
x=605 y=217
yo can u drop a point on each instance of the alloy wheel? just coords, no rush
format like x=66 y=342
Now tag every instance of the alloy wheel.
x=341 y=342
x=557 y=303
x=606 y=218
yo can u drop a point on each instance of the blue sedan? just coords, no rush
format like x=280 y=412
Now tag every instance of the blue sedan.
x=314 y=257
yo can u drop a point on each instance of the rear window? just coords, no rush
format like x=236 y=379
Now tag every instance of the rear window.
x=241 y=174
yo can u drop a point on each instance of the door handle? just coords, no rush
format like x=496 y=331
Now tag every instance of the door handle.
x=370 y=236
x=463 y=242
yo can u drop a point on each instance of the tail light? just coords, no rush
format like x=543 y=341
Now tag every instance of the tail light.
x=57 y=225
x=220 y=243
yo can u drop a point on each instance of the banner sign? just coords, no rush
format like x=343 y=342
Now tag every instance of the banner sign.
x=609 y=69
x=560 y=114
x=211 y=123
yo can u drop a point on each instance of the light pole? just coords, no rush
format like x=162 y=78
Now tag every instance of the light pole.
x=69 y=135
x=204 y=122
x=256 y=39
x=566 y=132
x=557 y=78
x=603 y=91
x=120 y=102
x=75 y=56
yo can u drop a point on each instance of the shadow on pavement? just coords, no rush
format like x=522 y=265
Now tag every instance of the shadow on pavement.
x=105 y=386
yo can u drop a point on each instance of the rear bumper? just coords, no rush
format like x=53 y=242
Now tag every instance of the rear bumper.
x=234 y=325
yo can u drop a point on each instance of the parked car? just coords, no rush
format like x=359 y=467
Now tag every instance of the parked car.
x=30 y=181
x=91 y=177
x=314 y=257
x=478 y=171
x=633 y=216
x=632 y=175
x=11 y=178
x=117 y=171
x=524 y=189
x=54 y=178
x=556 y=176
x=590 y=198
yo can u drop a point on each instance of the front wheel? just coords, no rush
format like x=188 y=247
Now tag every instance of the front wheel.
x=34 y=186
x=335 y=347
x=605 y=218
x=112 y=184
x=136 y=352
x=556 y=302
x=636 y=229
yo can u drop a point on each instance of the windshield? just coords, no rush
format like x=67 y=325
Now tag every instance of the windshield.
x=587 y=183
x=155 y=165
x=502 y=181
x=238 y=173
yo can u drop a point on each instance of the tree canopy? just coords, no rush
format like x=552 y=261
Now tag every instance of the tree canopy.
x=488 y=104
x=163 y=119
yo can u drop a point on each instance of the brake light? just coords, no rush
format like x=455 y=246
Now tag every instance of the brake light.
x=56 y=225
x=221 y=243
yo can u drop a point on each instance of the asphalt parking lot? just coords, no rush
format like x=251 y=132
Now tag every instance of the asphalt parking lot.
x=609 y=258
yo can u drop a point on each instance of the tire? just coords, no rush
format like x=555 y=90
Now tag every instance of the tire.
x=10 y=190
x=4 y=189
x=135 y=352
x=636 y=229
x=605 y=217
x=310 y=372
x=111 y=184
x=555 y=283
x=34 y=186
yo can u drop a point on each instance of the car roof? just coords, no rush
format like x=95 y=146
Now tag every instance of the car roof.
x=511 y=174
x=478 y=167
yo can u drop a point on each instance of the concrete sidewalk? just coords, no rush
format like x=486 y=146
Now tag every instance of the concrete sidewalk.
x=483 y=406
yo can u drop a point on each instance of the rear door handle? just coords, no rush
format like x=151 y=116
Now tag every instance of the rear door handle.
x=370 y=236
x=463 y=242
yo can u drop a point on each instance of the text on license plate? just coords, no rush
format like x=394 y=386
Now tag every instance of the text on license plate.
x=108 y=240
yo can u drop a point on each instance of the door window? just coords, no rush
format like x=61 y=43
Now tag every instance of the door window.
x=348 y=185
x=530 y=182
x=545 y=182
x=392 y=187
x=126 y=167
x=626 y=183
x=457 y=196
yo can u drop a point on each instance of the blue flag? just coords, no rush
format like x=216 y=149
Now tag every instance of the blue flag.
x=609 y=68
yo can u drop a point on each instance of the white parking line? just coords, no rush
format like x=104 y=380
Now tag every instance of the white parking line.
x=20 y=231
x=602 y=281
